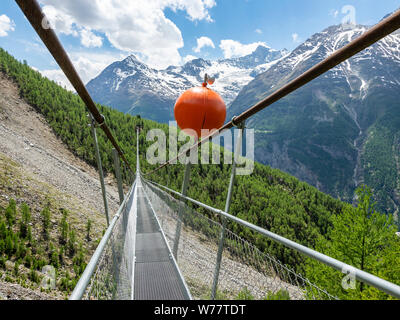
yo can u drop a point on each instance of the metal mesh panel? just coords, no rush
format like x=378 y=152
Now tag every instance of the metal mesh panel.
x=156 y=275
x=112 y=279
x=244 y=268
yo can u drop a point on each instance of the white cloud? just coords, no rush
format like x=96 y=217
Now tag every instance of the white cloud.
x=33 y=46
x=87 y=64
x=203 y=42
x=60 y=21
x=259 y=31
x=6 y=25
x=89 y=39
x=196 y=9
x=57 y=76
x=188 y=58
x=232 y=48
x=131 y=26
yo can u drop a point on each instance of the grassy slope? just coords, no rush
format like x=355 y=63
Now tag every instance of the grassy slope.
x=26 y=254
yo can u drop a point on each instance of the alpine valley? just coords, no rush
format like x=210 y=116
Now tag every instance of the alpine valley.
x=339 y=131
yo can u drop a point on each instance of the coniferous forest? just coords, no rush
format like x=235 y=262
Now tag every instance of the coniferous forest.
x=269 y=198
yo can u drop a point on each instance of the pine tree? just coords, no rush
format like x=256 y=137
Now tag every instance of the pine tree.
x=79 y=261
x=88 y=228
x=64 y=227
x=25 y=220
x=53 y=256
x=3 y=230
x=364 y=239
x=46 y=215
x=71 y=242
x=11 y=213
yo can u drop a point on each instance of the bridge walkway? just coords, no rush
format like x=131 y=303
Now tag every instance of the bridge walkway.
x=156 y=275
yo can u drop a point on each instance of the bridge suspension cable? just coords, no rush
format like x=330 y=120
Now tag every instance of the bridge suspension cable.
x=39 y=22
x=376 y=33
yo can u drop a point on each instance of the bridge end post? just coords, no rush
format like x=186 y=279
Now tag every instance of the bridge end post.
x=118 y=175
x=100 y=167
x=185 y=185
x=238 y=151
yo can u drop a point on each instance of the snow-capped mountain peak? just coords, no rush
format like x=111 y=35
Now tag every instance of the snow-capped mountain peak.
x=124 y=83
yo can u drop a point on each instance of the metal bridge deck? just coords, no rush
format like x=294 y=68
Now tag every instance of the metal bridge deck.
x=156 y=277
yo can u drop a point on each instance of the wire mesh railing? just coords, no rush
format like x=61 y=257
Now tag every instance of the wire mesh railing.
x=245 y=270
x=109 y=274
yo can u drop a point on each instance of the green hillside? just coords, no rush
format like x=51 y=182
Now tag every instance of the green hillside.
x=339 y=131
x=269 y=198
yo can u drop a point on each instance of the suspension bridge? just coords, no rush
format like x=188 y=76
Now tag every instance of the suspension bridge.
x=157 y=247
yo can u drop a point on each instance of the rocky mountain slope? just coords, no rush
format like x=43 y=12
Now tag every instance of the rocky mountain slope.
x=36 y=168
x=133 y=87
x=342 y=129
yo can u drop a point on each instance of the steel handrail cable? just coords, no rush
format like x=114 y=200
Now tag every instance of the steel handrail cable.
x=376 y=33
x=90 y=269
x=370 y=279
x=37 y=18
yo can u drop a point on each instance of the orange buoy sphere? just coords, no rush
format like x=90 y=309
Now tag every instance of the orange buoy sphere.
x=200 y=108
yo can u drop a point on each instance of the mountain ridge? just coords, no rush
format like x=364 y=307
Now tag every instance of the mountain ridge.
x=335 y=116
x=339 y=109
x=132 y=87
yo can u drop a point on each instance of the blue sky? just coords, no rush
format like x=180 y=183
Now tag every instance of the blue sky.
x=165 y=32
